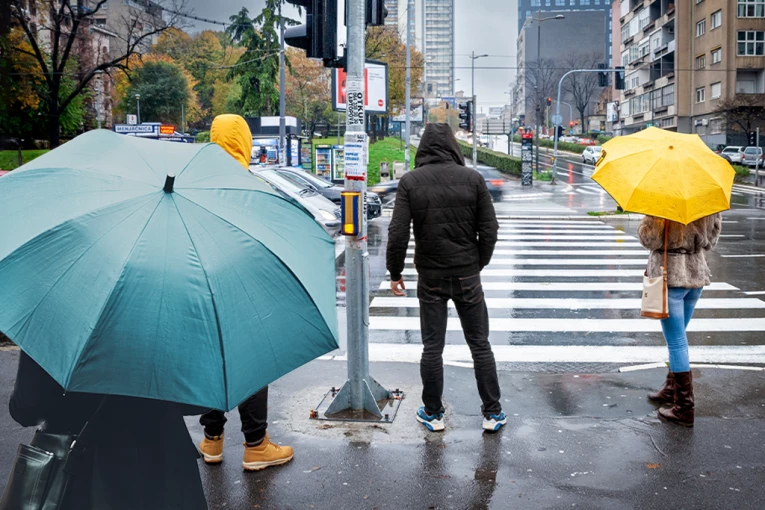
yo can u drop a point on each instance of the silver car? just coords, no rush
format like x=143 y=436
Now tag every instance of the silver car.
x=591 y=154
x=324 y=211
x=733 y=154
x=751 y=156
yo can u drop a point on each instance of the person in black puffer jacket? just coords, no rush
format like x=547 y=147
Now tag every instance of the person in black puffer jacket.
x=455 y=231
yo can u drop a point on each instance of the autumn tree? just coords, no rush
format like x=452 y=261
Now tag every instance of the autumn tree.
x=307 y=90
x=384 y=44
x=61 y=44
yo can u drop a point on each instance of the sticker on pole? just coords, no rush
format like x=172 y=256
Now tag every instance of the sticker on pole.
x=355 y=102
x=356 y=156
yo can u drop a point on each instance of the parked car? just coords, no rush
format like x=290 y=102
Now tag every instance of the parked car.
x=591 y=154
x=386 y=191
x=733 y=154
x=324 y=211
x=751 y=156
x=331 y=191
x=494 y=181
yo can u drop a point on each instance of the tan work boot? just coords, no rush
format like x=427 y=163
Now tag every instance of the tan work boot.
x=212 y=450
x=266 y=454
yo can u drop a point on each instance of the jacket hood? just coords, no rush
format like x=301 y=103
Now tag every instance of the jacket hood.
x=233 y=134
x=438 y=145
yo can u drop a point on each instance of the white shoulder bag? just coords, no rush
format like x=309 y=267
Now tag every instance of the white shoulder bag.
x=655 y=292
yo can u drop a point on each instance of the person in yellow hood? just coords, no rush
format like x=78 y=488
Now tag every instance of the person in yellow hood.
x=233 y=134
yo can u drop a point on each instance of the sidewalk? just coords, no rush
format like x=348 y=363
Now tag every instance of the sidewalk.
x=572 y=440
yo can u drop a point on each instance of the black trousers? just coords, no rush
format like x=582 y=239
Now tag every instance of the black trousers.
x=467 y=294
x=254 y=415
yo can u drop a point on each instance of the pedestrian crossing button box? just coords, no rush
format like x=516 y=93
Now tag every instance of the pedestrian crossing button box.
x=351 y=210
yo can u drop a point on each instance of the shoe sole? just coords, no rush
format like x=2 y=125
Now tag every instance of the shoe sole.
x=257 y=466
x=681 y=423
x=495 y=427
x=212 y=459
x=429 y=425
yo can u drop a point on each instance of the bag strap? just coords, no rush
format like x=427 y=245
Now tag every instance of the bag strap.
x=80 y=444
x=666 y=242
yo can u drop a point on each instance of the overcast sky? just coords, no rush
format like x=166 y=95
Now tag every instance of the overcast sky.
x=483 y=26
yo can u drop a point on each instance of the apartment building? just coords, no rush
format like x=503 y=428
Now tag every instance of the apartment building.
x=683 y=59
x=393 y=17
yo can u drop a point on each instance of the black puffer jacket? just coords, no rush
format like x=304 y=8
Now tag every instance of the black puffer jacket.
x=455 y=228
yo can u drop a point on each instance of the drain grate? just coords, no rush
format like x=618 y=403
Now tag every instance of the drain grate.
x=561 y=368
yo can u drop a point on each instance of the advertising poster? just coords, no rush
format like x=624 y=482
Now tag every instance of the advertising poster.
x=375 y=85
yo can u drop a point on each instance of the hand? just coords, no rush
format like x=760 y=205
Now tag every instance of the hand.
x=398 y=288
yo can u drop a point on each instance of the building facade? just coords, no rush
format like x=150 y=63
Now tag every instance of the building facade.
x=683 y=60
x=392 y=19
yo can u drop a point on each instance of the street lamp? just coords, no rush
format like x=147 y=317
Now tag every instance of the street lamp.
x=473 y=58
x=138 y=108
x=540 y=20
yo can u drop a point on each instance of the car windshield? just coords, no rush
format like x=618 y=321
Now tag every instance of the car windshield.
x=284 y=183
x=489 y=174
x=316 y=182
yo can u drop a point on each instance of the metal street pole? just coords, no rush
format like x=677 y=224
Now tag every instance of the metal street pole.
x=183 y=118
x=282 y=99
x=757 y=160
x=408 y=105
x=99 y=85
x=512 y=116
x=536 y=83
x=138 y=108
x=474 y=113
x=360 y=392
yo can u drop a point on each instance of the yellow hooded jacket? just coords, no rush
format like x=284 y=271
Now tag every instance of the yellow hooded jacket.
x=233 y=134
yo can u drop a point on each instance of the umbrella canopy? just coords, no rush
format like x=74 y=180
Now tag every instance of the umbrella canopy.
x=665 y=174
x=201 y=295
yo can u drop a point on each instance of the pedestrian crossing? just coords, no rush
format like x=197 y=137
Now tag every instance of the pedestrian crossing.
x=574 y=284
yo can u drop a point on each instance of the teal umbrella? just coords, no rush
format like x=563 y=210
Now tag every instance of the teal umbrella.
x=118 y=279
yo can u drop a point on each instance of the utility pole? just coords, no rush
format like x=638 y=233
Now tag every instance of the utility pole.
x=282 y=100
x=512 y=116
x=360 y=392
x=138 y=108
x=99 y=86
x=474 y=113
x=408 y=105
x=757 y=160
x=183 y=118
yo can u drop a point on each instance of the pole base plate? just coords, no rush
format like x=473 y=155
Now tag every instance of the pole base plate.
x=386 y=407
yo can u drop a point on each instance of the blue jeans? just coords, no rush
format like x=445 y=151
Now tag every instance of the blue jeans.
x=682 y=302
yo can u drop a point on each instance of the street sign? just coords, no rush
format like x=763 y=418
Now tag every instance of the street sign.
x=557 y=119
x=132 y=120
x=124 y=129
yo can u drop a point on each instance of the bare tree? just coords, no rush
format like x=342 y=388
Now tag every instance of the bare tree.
x=541 y=80
x=742 y=112
x=582 y=87
x=60 y=40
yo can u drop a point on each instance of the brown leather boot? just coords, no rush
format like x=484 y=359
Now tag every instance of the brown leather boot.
x=666 y=395
x=682 y=412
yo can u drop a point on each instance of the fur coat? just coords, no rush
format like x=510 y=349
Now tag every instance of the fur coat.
x=688 y=245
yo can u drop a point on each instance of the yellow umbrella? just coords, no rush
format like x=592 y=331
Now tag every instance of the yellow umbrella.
x=665 y=174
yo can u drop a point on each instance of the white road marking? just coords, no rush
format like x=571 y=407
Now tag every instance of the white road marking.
x=573 y=304
x=564 y=244
x=588 y=224
x=554 y=237
x=554 y=273
x=732 y=235
x=411 y=353
x=757 y=293
x=555 y=232
x=552 y=325
x=572 y=287
x=751 y=255
x=562 y=262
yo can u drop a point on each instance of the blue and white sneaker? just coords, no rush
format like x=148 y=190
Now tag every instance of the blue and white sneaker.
x=433 y=423
x=495 y=422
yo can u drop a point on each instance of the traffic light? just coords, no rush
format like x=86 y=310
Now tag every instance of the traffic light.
x=549 y=101
x=466 y=116
x=619 y=78
x=752 y=139
x=318 y=37
x=602 y=76
x=376 y=13
x=558 y=132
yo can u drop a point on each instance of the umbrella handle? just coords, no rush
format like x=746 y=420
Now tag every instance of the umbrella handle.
x=169 y=183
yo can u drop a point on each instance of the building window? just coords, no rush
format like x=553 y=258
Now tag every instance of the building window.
x=716 y=19
x=716 y=55
x=751 y=8
x=668 y=95
x=536 y=3
x=560 y=2
x=700 y=94
x=668 y=122
x=751 y=43
x=584 y=2
x=715 y=90
x=701 y=28
x=701 y=62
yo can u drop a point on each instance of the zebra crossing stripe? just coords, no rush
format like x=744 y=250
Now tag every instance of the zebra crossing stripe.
x=554 y=237
x=554 y=273
x=562 y=262
x=573 y=304
x=411 y=353
x=537 y=231
x=553 y=325
x=567 y=286
x=564 y=223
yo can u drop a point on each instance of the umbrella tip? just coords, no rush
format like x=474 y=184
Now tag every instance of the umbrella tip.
x=169 y=183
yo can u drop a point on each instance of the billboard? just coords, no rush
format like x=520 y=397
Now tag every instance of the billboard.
x=612 y=112
x=375 y=87
x=451 y=101
x=417 y=112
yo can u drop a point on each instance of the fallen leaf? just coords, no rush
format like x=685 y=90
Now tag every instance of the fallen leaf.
x=653 y=466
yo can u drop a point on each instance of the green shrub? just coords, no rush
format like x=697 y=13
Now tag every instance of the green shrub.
x=603 y=139
x=742 y=172
x=502 y=162
x=203 y=137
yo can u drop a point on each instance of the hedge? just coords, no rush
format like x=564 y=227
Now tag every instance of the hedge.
x=203 y=137
x=502 y=162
